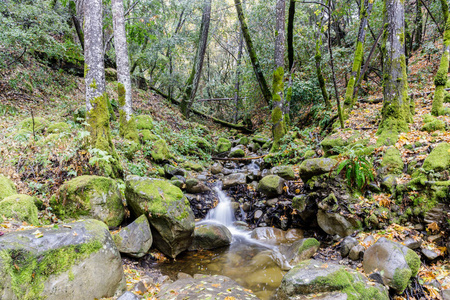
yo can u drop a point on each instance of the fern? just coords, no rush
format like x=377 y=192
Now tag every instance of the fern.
x=358 y=170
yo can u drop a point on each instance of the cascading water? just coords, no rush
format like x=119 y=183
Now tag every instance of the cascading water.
x=223 y=212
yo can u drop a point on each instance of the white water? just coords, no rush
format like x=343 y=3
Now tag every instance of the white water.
x=223 y=212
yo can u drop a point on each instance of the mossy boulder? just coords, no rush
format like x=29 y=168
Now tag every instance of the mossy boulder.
x=439 y=159
x=394 y=262
x=90 y=197
x=237 y=152
x=160 y=151
x=315 y=167
x=58 y=127
x=135 y=239
x=195 y=186
x=201 y=143
x=331 y=281
x=147 y=136
x=144 y=122
x=285 y=172
x=39 y=124
x=190 y=165
x=432 y=124
x=210 y=236
x=300 y=250
x=20 y=207
x=7 y=187
x=167 y=209
x=223 y=145
x=332 y=143
x=261 y=140
x=271 y=186
x=243 y=141
x=392 y=162
x=71 y=261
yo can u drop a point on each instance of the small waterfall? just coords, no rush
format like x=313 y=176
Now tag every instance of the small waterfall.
x=223 y=212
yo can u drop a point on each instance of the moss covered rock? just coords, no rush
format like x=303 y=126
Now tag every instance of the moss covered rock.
x=201 y=143
x=330 y=280
x=243 y=141
x=210 y=236
x=39 y=124
x=392 y=162
x=58 y=127
x=20 y=207
x=315 y=166
x=7 y=187
x=394 y=262
x=237 y=152
x=300 y=250
x=439 y=158
x=147 y=136
x=271 y=186
x=285 y=172
x=167 y=209
x=223 y=145
x=432 y=124
x=261 y=140
x=136 y=239
x=144 y=122
x=190 y=165
x=75 y=261
x=160 y=151
x=90 y=197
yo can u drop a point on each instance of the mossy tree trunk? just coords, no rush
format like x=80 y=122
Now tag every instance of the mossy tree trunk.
x=237 y=83
x=440 y=80
x=96 y=97
x=419 y=26
x=127 y=122
x=290 y=45
x=278 y=120
x=194 y=78
x=252 y=53
x=318 y=60
x=365 y=11
x=396 y=111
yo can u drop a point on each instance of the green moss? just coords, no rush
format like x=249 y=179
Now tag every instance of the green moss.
x=392 y=161
x=144 y=122
x=237 y=153
x=308 y=243
x=190 y=165
x=349 y=101
x=413 y=261
x=223 y=145
x=39 y=124
x=439 y=159
x=7 y=187
x=58 y=127
x=21 y=208
x=401 y=279
x=148 y=136
x=278 y=122
x=29 y=272
x=127 y=129
x=160 y=151
x=100 y=135
x=201 y=143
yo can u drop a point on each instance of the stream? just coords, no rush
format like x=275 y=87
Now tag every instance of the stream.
x=255 y=264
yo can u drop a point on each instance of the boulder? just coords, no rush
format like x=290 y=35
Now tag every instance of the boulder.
x=90 y=197
x=195 y=186
x=439 y=159
x=190 y=165
x=269 y=235
x=314 y=277
x=160 y=151
x=21 y=208
x=74 y=261
x=237 y=152
x=7 y=187
x=315 y=167
x=144 y=122
x=147 y=136
x=58 y=127
x=347 y=244
x=233 y=180
x=201 y=143
x=167 y=209
x=204 y=287
x=170 y=171
x=285 y=172
x=128 y=296
x=260 y=139
x=216 y=168
x=395 y=262
x=223 y=145
x=136 y=239
x=335 y=223
x=210 y=236
x=271 y=186
x=300 y=250
x=432 y=124
x=392 y=162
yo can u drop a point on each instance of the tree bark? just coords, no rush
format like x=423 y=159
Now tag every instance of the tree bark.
x=96 y=97
x=365 y=11
x=318 y=59
x=278 y=121
x=127 y=122
x=290 y=33
x=76 y=22
x=194 y=79
x=419 y=26
x=440 y=80
x=267 y=95
x=396 y=111
x=237 y=83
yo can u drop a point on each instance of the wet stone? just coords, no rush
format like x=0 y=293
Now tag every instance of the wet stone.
x=429 y=254
x=412 y=243
x=347 y=244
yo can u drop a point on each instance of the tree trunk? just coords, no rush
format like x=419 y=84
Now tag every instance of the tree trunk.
x=96 y=97
x=365 y=11
x=194 y=79
x=440 y=80
x=318 y=59
x=419 y=26
x=396 y=111
x=252 y=53
x=127 y=122
x=76 y=22
x=237 y=84
x=290 y=43
x=278 y=122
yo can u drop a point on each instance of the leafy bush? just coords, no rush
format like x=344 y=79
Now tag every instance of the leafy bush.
x=358 y=170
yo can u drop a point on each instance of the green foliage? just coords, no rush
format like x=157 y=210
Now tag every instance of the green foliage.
x=358 y=170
